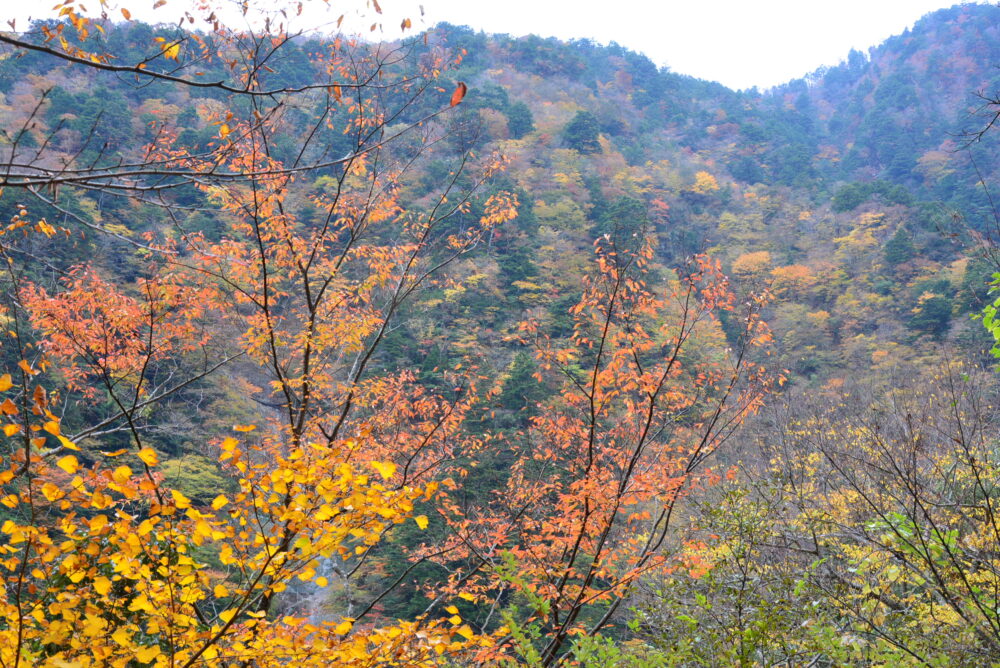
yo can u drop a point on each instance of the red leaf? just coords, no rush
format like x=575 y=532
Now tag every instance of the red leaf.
x=459 y=93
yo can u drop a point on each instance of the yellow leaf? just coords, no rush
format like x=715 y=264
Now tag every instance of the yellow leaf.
x=219 y=502
x=148 y=654
x=421 y=521
x=451 y=609
x=94 y=626
x=121 y=636
x=241 y=427
x=386 y=469
x=5 y=382
x=10 y=429
x=172 y=51
x=102 y=585
x=227 y=615
x=69 y=464
x=465 y=632
x=321 y=582
x=224 y=132
x=220 y=591
x=466 y=596
x=26 y=368
x=149 y=457
x=180 y=500
x=140 y=603
x=68 y=444
x=121 y=474
x=344 y=627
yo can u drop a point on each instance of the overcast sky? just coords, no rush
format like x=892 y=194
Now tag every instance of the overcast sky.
x=740 y=43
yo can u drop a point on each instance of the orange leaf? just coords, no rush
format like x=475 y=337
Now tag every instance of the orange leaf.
x=459 y=93
x=127 y=14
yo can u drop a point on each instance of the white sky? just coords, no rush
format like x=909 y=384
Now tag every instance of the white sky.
x=740 y=43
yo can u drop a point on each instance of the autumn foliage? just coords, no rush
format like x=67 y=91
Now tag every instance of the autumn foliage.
x=314 y=355
x=102 y=557
x=104 y=562
x=648 y=394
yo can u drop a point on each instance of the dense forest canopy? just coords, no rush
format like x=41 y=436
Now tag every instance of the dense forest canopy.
x=468 y=349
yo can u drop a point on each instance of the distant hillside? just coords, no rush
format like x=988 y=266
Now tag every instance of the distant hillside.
x=857 y=177
x=875 y=115
x=848 y=191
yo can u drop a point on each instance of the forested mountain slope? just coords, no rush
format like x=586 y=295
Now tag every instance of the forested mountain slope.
x=851 y=191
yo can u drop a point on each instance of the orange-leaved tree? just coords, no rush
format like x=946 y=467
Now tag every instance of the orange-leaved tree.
x=650 y=389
